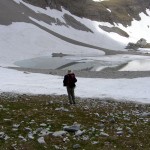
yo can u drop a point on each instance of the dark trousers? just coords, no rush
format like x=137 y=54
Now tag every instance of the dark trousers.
x=71 y=95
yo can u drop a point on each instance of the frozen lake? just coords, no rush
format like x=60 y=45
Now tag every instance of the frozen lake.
x=84 y=62
x=93 y=63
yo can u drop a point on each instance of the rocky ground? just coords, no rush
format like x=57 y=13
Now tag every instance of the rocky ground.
x=111 y=73
x=49 y=122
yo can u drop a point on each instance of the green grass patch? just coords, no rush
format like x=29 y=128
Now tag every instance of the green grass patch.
x=107 y=124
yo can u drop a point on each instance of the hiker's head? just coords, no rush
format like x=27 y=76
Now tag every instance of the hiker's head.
x=69 y=71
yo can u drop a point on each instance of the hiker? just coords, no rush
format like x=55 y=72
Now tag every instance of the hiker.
x=69 y=81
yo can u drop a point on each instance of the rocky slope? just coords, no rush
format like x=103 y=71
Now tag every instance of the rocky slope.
x=116 y=11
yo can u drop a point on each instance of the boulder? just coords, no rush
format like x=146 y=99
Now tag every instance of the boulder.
x=73 y=128
x=141 y=43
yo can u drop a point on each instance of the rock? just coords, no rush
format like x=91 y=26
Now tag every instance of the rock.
x=25 y=72
x=66 y=139
x=2 y=135
x=37 y=130
x=32 y=122
x=98 y=10
x=7 y=120
x=96 y=114
x=120 y=133
x=129 y=130
x=85 y=138
x=71 y=116
x=119 y=129
x=104 y=134
x=76 y=146
x=27 y=129
x=44 y=132
x=112 y=120
x=101 y=125
x=115 y=30
x=22 y=138
x=43 y=125
x=86 y=108
x=41 y=140
x=30 y=136
x=145 y=114
x=103 y=121
x=58 y=55
x=6 y=137
x=73 y=128
x=132 y=46
x=139 y=44
x=142 y=42
x=127 y=119
x=59 y=133
x=14 y=129
x=79 y=133
x=16 y=125
x=95 y=142
x=57 y=147
x=93 y=129
x=102 y=130
x=62 y=109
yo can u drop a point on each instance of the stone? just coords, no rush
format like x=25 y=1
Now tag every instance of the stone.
x=41 y=140
x=2 y=135
x=112 y=120
x=44 y=132
x=16 y=125
x=22 y=138
x=95 y=142
x=85 y=138
x=27 y=129
x=73 y=128
x=104 y=134
x=79 y=133
x=120 y=133
x=59 y=133
x=62 y=109
x=96 y=114
x=43 y=125
x=145 y=114
x=142 y=42
x=76 y=146
x=30 y=136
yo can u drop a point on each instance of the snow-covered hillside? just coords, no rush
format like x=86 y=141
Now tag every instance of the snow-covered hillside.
x=30 y=35
x=26 y=40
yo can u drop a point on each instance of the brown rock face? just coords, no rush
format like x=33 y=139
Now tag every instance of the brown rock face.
x=39 y=3
x=112 y=11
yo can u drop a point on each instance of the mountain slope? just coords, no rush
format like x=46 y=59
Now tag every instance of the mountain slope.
x=115 y=12
x=112 y=11
x=28 y=31
x=19 y=12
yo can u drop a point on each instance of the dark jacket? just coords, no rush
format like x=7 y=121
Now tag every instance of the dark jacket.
x=70 y=80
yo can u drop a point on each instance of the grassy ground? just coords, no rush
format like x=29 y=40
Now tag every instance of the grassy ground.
x=105 y=125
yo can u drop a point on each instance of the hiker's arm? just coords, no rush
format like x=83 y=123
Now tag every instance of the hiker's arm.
x=75 y=80
x=65 y=81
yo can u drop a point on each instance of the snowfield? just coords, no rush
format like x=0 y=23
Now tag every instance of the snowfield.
x=21 y=41
x=33 y=83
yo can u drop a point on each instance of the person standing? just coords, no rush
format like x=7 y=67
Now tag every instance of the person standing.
x=69 y=81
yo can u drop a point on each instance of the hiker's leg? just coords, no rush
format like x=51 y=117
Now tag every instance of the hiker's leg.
x=73 y=95
x=69 y=95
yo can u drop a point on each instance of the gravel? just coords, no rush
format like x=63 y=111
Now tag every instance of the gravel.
x=107 y=73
